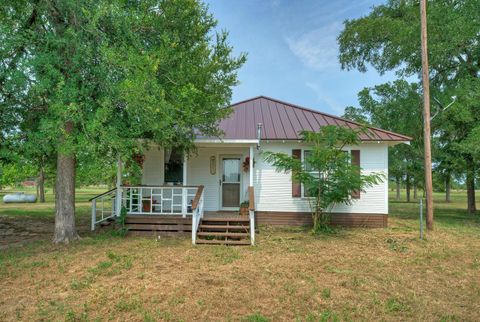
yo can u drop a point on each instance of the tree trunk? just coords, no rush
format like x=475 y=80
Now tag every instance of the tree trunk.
x=41 y=185
x=415 y=191
x=448 y=187
x=65 y=231
x=397 y=184
x=471 y=207
x=407 y=183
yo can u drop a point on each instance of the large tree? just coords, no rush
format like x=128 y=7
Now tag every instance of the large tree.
x=101 y=75
x=388 y=38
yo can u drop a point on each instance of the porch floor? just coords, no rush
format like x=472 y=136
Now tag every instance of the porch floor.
x=207 y=214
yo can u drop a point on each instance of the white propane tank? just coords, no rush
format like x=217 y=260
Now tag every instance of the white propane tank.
x=19 y=197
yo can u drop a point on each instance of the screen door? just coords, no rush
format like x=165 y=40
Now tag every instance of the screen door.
x=230 y=182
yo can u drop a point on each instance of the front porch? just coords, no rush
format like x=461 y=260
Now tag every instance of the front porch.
x=178 y=192
x=160 y=211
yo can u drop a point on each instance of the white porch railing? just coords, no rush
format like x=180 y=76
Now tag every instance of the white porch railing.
x=103 y=207
x=158 y=200
x=197 y=215
x=146 y=200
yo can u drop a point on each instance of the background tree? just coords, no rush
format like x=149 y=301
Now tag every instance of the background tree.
x=388 y=39
x=327 y=174
x=110 y=73
x=396 y=107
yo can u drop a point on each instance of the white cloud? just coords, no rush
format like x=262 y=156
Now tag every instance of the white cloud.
x=325 y=98
x=317 y=49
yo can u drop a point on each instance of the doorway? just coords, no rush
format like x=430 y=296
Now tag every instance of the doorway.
x=230 y=182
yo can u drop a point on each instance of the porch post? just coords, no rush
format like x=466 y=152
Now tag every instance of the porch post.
x=118 y=196
x=251 y=212
x=185 y=164
x=184 y=189
x=251 y=166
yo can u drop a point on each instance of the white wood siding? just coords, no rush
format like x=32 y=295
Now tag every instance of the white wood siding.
x=273 y=189
x=198 y=171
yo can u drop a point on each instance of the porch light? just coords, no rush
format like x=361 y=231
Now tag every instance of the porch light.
x=213 y=165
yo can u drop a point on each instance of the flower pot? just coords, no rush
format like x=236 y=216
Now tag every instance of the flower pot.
x=243 y=211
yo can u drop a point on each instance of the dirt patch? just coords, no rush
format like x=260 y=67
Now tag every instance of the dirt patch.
x=17 y=231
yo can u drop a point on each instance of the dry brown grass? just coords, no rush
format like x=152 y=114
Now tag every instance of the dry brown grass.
x=352 y=275
x=378 y=274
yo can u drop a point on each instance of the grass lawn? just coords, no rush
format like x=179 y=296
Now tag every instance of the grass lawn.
x=358 y=274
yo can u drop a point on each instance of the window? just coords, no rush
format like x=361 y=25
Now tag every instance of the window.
x=308 y=167
x=173 y=167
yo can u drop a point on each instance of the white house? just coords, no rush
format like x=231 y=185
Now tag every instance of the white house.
x=231 y=170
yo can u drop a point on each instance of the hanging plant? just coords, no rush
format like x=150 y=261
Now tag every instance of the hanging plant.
x=246 y=164
x=139 y=159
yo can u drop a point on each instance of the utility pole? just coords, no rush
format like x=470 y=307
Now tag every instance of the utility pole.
x=426 y=116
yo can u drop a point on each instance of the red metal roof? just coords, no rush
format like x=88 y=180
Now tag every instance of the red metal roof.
x=285 y=121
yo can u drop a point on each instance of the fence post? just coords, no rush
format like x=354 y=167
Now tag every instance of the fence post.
x=94 y=213
x=421 y=218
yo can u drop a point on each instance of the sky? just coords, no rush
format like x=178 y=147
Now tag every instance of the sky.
x=292 y=50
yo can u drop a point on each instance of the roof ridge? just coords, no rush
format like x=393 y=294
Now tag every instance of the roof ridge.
x=321 y=113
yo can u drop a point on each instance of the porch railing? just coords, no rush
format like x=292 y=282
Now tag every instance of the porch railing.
x=197 y=214
x=103 y=207
x=158 y=200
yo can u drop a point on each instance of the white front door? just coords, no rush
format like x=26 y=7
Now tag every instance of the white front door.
x=230 y=182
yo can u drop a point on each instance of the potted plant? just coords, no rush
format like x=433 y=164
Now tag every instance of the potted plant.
x=244 y=208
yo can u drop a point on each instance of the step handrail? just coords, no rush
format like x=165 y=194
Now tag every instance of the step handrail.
x=197 y=213
x=251 y=198
x=107 y=207
x=198 y=195
x=102 y=194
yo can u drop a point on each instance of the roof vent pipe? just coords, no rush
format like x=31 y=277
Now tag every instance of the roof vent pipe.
x=259 y=134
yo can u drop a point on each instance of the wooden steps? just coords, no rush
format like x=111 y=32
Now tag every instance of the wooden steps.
x=224 y=231
x=158 y=226
x=203 y=233
x=223 y=242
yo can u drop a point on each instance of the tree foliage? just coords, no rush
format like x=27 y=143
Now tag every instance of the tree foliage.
x=396 y=107
x=105 y=78
x=388 y=39
x=327 y=174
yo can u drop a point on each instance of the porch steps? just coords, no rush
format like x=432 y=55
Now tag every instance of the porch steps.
x=224 y=231
x=158 y=226
x=204 y=233
x=223 y=242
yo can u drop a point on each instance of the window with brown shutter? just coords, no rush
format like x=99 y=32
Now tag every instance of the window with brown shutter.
x=296 y=186
x=355 y=154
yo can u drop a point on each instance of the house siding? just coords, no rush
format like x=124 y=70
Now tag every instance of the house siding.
x=198 y=171
x=273 y=189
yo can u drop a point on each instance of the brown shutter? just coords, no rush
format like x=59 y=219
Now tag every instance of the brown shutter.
x=296 y=186
x=355 y=154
